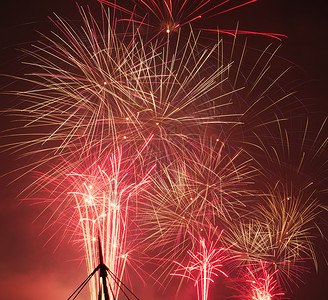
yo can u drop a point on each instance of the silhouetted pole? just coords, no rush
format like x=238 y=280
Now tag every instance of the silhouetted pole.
x=102 y=271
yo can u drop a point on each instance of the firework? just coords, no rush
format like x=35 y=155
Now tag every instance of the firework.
x=290 y=206
x=294 y=157
x=279 y=233
x=84 y=80
x=104 y=206
x=140 y=140
x=204 y=264
x=249 y=238
x=170 y=16
x=97 y=200
x=201 y=188
x=99 y=93
x=258 y=284
x=110 y=87
x=222 y=176
x=290 y=222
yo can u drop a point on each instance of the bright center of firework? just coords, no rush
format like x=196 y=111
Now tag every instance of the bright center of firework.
x=88 y=200
x=169 y=26
x=114 y=205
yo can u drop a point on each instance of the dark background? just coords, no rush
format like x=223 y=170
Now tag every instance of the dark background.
x=31 y=268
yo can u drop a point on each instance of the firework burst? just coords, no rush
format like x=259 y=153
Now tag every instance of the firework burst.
x=98 y=200
x=84 y=80
x=169 y=16
x=279 y=233
x=258 y=284
x=201 y=188
x=111 y=88
x=204 y=264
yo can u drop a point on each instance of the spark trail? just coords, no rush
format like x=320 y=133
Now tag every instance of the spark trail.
x=172 y=15
x=169 y=16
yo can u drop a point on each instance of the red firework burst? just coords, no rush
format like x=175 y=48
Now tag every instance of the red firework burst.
x=205 y=264
x=259 y=284
x=168 y=16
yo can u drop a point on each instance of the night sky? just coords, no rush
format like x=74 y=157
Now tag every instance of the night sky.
x=31 y=268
